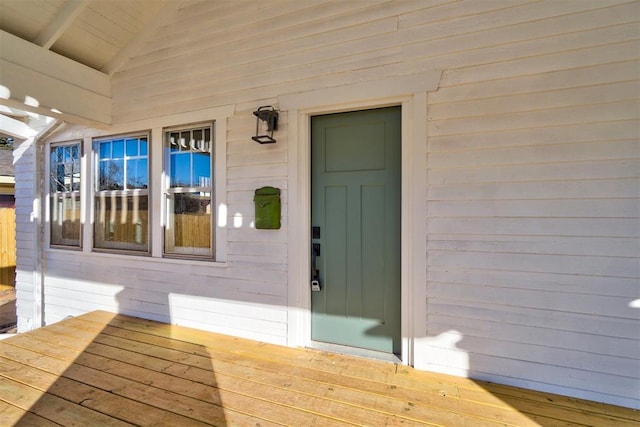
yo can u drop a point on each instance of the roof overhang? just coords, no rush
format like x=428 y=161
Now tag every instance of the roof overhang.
x=40 y=81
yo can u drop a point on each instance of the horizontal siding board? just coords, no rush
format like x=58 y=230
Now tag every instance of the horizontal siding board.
x=528 y=155
x=550 y=302
x=564 y=264
x=233 y=322
x=447 y=37
x=532 y=101
x=585 y=342
x=251 y=184
x=576 y=59
x=282 y=21
x=237 y=76
x=468 y=50
x=594 y=227
x=594 y=189
x=575 y=246
x=614 y=111
x=235 y=58
x=609 y=73
x=619 y=386
x=258 y=248
x=550 y=282
x=538 y=354
x=594 y=169
x=544 y=208
x=534 y=317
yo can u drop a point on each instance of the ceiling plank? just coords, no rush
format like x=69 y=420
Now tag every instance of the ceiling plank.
x=38 y=80
x=60 y=23
x=161 y=18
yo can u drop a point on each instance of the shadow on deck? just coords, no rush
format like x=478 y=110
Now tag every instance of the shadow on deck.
x=107 y=369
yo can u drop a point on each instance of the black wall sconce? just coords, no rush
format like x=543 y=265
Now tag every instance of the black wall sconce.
x=269 y=116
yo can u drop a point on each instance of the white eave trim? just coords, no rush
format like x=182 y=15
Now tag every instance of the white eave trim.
x=40 y=81
x=16 y=128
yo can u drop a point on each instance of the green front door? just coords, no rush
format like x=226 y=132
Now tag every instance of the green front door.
x=355 y=211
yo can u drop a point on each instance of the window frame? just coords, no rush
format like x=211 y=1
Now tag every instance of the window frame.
x=121 y=193
x=168 y=190
x=155 y=125
x=79 y=193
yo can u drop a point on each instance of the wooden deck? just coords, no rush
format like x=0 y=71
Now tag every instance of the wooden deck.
x=106 y=369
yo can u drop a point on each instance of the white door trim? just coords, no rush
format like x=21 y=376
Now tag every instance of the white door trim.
x=411 y=93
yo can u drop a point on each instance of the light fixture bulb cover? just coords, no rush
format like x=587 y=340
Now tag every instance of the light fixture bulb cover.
x=269 y=115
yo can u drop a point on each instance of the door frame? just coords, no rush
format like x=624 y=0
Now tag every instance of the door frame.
x=410 y=92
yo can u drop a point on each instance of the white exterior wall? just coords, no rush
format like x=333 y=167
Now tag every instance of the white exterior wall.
x=28 y=281
x=532 y=192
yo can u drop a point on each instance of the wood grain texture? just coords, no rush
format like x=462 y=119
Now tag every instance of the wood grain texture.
x=108 y=369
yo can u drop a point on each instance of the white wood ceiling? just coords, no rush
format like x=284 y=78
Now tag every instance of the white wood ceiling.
x=57 y=56
x=90 y=32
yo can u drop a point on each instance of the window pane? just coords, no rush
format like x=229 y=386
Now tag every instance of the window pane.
x=121 y=221
x=132 y=147
x=137 y=175
x=118 y=149
x=188 y=228
x=64 y=168
x=64 y=206
x=201 y=169
x=111 y=175
x=105 y=150
x=180 y=169
x=75 y=177
x=65 y=220
x=57 y=177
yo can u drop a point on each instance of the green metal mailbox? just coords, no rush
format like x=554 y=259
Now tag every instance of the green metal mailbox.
x=267 y=201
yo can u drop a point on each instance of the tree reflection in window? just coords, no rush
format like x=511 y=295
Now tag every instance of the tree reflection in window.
x=64 y=194
x=121 y=199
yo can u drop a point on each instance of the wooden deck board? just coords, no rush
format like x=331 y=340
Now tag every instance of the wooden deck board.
x=117 y=370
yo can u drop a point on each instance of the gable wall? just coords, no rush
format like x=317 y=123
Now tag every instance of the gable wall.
x=533 y=177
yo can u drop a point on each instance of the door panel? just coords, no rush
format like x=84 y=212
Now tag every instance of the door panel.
x=356 y=160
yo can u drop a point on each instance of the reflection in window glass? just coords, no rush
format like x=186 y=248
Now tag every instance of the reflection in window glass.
x=122 y=221
x=64 y=194
x=189 y=215
x=121 y=218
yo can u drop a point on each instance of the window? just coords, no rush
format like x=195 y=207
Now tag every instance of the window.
x=188 y=166
x=64 y=194
x=121 y=198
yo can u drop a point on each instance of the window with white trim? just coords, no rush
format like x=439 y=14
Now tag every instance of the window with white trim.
x=64 y=194
x=121 y=193
x=189 y=212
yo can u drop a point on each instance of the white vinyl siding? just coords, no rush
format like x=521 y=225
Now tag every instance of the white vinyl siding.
x=532 y=191
x=27 y=235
